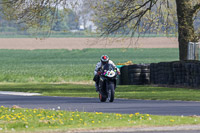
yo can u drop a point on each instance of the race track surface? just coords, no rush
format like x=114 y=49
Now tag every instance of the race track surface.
x=153 y=107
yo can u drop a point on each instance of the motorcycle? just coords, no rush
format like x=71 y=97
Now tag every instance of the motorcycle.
x=107 y=83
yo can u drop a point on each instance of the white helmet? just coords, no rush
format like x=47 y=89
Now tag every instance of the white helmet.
x=104 y=59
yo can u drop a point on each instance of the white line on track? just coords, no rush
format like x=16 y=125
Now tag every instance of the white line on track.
x=19 y=93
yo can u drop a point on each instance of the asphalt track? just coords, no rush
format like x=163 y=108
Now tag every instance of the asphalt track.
x=154 y=107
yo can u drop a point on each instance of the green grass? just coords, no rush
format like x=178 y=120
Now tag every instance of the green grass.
x=128 y=92
x=12 y=119
x=38 y=66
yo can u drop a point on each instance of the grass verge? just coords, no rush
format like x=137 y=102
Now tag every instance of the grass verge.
x=12 y=119
x=123 y=91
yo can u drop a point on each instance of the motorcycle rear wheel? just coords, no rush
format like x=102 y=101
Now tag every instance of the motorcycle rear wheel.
x=111 y=92
x=102 y=98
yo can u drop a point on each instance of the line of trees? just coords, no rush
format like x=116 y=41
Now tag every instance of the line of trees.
x=64 y=22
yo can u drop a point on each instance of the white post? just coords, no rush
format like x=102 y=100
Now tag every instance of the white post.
x=196 y=52
x=193 y=51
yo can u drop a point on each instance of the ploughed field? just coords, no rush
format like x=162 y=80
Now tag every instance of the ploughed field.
x=72 y=59
x=81 y=43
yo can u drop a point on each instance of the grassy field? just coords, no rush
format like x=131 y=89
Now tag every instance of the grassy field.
x=29 y=120
x=70 y=66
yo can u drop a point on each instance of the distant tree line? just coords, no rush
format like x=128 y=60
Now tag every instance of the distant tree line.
x=113 y=17
x=64 y=23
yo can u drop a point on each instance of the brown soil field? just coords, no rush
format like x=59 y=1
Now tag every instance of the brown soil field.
x=82 y=43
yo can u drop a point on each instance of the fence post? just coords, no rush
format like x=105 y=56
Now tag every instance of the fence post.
x=196 y=52
x=193 y=51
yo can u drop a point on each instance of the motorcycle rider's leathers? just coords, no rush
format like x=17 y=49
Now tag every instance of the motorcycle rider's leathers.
x=98 y=67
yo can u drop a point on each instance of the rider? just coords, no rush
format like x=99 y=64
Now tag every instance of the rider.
x=104 y=60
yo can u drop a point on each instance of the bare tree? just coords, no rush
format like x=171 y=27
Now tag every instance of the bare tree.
x=142 y=16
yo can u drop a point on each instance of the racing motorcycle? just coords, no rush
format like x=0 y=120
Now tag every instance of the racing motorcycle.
x=107 y=83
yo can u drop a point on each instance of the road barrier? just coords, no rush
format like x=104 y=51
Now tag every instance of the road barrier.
x=137 y=74
x=177 y=73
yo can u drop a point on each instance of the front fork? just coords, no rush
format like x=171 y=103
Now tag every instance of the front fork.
x=104 y=86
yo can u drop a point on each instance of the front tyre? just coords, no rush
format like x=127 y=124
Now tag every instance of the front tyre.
x=102 y=98
x=111 y=92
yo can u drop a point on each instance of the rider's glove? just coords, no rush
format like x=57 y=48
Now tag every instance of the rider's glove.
x=99 y=73
x=118 y=72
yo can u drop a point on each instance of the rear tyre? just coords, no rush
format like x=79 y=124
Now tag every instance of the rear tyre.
x=102 y=98
x=111 y=92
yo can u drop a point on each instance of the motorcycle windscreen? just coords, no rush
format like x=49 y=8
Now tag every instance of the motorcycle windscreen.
x=108 y=67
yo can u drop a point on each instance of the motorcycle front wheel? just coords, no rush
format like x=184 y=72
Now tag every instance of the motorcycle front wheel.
x=111 y=92
x=102 y=98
